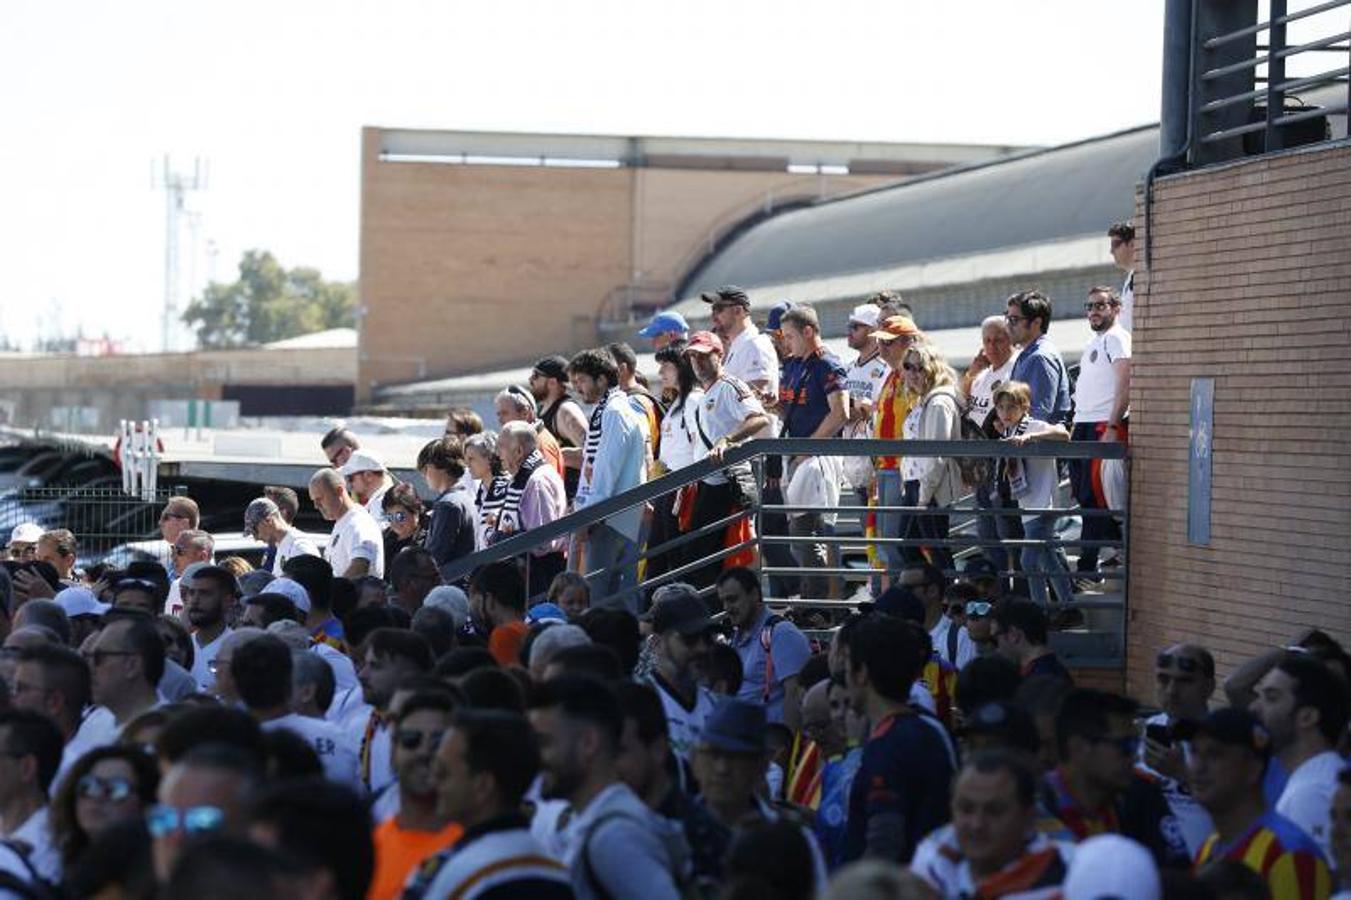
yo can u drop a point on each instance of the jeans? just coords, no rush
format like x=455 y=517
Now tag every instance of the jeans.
x=889 y=493
x=1045 y=560
x=611 y=551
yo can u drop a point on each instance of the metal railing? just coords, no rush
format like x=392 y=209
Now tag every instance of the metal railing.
x=1105 y=610
x=109 y=524
x=1235 y=110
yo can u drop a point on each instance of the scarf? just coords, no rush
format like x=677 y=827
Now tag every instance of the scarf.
x=509 y=516
x=593 y=434
x=489 y=501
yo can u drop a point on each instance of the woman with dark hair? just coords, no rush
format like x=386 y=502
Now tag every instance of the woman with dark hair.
x=403 y=511
x=451 y=533
x=679 y=438
x=485 y=464
x=105 y=787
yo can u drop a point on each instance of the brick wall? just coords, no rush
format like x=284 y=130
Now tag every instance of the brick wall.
x=1250 y=283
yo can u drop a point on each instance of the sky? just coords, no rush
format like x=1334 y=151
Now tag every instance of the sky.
x=272 y=96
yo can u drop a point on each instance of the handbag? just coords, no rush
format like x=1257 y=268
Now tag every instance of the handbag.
x=745 y=489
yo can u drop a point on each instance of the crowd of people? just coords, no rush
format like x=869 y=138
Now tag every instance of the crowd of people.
x=349 y=717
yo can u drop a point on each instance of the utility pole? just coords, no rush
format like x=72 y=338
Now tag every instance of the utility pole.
x=176 y=186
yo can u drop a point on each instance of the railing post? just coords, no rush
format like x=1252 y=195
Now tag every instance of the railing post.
x=1275 y=78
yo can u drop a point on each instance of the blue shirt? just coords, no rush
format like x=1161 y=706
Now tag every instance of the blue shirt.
x=805 y=388
x=788 y=650
x=1042 y=369
x=833 y=813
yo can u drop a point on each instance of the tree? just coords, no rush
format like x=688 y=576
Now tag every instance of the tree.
x=269 y=303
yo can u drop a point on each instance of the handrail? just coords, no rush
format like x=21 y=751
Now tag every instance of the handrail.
x=673 y=481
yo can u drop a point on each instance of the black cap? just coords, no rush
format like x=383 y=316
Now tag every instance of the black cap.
x=677 y=607
x=902 y=603
x=1230 y=725
x=553 y=367
x=1004 y=720
x=727 y=295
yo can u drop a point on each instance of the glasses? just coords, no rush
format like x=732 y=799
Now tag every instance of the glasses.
x=98 y=656
x=1014 y=320
x=400 y=517
x=412 y=738
x=1128 y=745
x=1187 y=665
x=978 y=609
x=1099 y=306
x=92 y=787
x=165 y=820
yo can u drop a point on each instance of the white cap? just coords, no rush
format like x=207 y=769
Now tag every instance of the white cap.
x=453 y=600
x=291 y=590
x=26 y=533
x=1110 y=865
x=865 y=314
x=361 y=461
x=78 y=601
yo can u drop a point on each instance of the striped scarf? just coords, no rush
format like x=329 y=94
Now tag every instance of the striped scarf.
x=509 y=518
x=491 y=495
x=593 y=435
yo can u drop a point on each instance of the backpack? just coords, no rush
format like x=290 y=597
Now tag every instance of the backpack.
x=976 y=470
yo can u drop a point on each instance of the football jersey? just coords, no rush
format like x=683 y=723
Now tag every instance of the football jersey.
x=1275 y=848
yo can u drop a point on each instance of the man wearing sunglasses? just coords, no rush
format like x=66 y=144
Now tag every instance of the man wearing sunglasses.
x=1095 y=788
x=1039 y=365
x=684 y=634
x=264 y=521
x=206 y=792
x=1184 y=679
x=192 y=546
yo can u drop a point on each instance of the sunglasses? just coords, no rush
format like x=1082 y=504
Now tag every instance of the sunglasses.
x=1014 y=320
x=978 y=609
x=1187 y=665
x=1099 y=306
x=166 y=820
x=412 y=738
x=400 y=517
x=167 y=516
x=92 y=787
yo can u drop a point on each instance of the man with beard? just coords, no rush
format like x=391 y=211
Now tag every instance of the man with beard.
x=561 y=415
x=615 y=846
x=684 y=634
x=389 y=656
x=209 y=596
x=418 y=829
x=1101 y=405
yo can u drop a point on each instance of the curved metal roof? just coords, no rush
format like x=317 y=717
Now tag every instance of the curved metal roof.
x=1040 y=196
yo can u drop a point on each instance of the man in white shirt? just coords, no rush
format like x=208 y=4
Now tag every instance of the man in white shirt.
x=749 y=355
x=210 y=597
x=684 y=635
x=863 y=381
x=125 y=664
x=264 y=521
x=1101 y=404
x=262 y=671
x=29 y=736
x=990 y=369
x=369 y=480
x=190 y=547
x=1304 y=707
x=356 y=546
x=1122 y=238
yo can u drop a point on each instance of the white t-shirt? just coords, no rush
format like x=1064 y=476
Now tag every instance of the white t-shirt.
x=683 y=725
x=36 y=833
x=376 y=505
x=356 y=536
x=378 y=771
x=983 y=387
x=201 y=661
x=678 y=435
x=725 y=405
x=751 y=358
x=295 y=543
x=1127 y=317
x=1307 y=798
x=334 y=749
x=173 y=604
x=912 y=467
x=97 y=729
x=1033 y=481
x=1192 y=818
x=1095 y=390
x=966 y=648
x=863 y=381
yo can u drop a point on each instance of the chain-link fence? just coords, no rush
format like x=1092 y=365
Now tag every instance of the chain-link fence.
x=110 y=526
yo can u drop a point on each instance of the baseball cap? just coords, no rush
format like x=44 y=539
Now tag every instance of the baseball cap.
x=291 y=590
x=894 y=327
x=727 y=295
x=544 y=612
x=665 y=323
x=26 y=533
x=775 y=320
x=1006 y=721
x=864 y=314
x=736 y=726
x=902 y=603
x=78 y=601
x=1229 y=725
x=704 y=342
x=677 y=607
x=553 y=367
x=256 y=512
x=361 y=461
x=1109 y=865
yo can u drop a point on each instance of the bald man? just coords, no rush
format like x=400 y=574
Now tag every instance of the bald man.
x=356 y=547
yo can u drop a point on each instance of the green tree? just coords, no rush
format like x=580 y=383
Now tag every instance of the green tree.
x=269 y=303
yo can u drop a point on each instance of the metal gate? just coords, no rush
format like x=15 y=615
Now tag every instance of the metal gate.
x=109 y=525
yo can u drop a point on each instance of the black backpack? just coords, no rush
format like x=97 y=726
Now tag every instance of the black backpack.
x=977 y=470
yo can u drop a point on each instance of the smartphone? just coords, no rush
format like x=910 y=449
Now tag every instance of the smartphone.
x=1160 y=734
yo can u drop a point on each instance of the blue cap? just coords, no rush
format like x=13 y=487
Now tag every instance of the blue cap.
x=775 y=320
x=544 y=612
x=665 y=323
x=736 y=726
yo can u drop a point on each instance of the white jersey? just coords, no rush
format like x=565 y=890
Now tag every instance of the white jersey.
x=939 y=863
x=679 y=439
x=863 y=381
x=751 y=358
x=1307 y=798
x=981 y=399
x=202 y=657
x=726 y=404
x=1095 y=389
x=335 y=751
x=356 y=536
x=1192 y=818
x=684 y=724
x=295 y=543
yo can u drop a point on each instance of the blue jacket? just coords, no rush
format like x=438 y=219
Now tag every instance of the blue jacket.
x=1042 y=369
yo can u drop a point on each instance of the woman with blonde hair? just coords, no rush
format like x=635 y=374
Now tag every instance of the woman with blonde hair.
x=930 y=481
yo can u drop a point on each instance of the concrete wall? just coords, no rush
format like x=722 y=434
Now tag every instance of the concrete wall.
x=466 y=267
x=1250 y=284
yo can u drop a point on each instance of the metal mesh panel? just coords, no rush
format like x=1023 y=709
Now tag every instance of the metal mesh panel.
x=110 y=526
